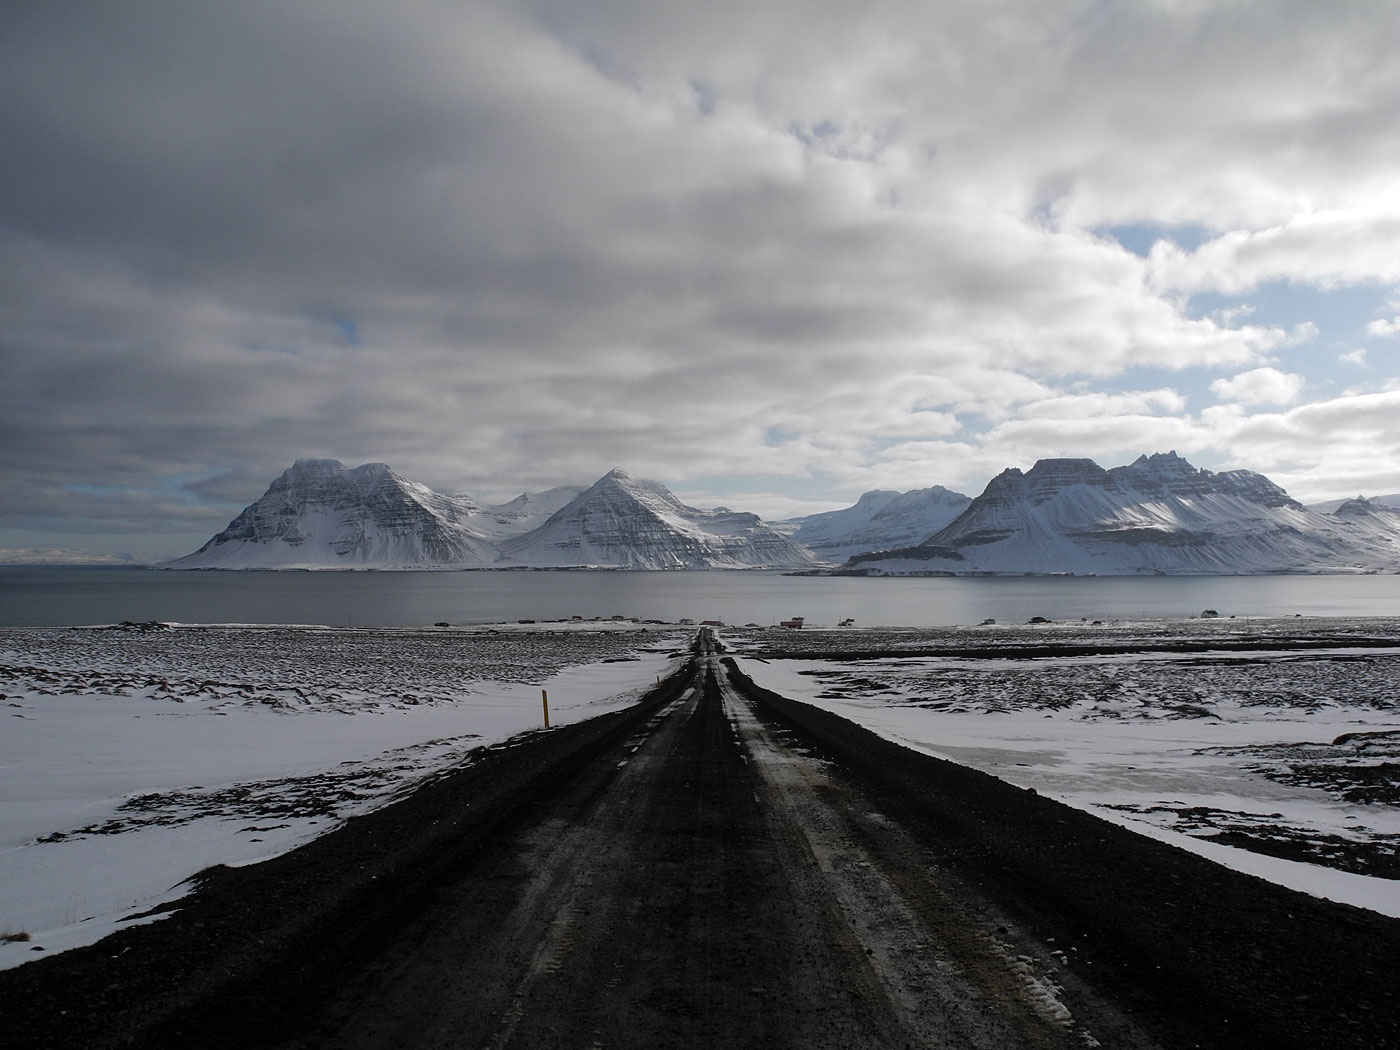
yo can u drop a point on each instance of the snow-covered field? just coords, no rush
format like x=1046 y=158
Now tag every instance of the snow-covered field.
x=133 y=758
x=1274 y=760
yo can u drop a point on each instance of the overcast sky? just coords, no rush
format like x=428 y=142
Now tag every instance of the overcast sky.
x=771 y=254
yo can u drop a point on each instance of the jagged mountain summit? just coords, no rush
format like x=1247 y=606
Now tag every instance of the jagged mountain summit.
x=320 y=515
x=1158 y=514
x=879 y=520
x=630 y=523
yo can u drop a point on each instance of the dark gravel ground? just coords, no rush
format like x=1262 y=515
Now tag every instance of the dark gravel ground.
x=628 y=882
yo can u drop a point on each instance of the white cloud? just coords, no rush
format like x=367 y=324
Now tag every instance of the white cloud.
x=1323 y=450
x=1327 y=249
x=1260 y=386
x=1354 y=357
x=1384 y=329
x=1302 y=334
x=1101 y=405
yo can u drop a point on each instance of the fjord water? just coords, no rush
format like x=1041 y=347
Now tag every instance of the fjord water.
x=63 y=597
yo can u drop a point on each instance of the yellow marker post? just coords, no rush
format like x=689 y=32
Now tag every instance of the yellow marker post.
x=544 y=697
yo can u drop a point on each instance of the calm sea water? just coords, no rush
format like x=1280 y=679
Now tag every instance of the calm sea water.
x=62 y=597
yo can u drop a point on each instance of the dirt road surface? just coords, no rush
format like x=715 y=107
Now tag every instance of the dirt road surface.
x=721 y=867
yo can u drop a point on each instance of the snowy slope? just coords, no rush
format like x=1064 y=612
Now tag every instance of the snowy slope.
x=1156 y=515
x=630 y=523
x=879 y=520
x=527 y=511
x=317 y=514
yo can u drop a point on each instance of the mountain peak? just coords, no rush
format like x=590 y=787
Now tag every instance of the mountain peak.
x=310 y=467
x=1160 y=459
x=1361 y=507
x=632 y=523
x=373 y=469
x=876 y=498
x=1158 y=514
x=1163 y=465
x=317 y=514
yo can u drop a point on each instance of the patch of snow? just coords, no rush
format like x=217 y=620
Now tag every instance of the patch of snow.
x=1177 y=746
x=130 y=761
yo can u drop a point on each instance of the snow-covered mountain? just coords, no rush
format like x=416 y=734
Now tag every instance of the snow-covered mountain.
x=1331 y=506
x=527 y=511
x=879 y=520
x=626 y=522
x=318 y=514
x=1156 y=515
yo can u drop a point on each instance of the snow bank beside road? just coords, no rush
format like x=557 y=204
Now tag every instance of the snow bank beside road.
x=131 y=761
x=1137 y=755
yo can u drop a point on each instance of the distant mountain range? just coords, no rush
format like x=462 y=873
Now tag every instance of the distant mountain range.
x=319 y=515
x=1158 y=515
x=879 y=520
x=1331 y=506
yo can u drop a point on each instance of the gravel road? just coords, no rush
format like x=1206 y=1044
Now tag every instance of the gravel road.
x=721 y=867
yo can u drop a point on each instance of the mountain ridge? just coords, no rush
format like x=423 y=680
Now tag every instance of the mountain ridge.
x=880 y=519
x=1157 y=515
x=626 y=522
x=320 y=515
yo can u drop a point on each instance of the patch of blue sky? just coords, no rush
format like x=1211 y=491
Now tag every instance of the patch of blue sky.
x=1327 y=360
x=775 y=436
x=1340 y=316
x=1139 y=238
x=1191 y=383
x=349 y=330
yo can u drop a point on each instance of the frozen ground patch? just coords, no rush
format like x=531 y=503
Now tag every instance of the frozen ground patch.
x=132 y=759
x=1285 y=743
